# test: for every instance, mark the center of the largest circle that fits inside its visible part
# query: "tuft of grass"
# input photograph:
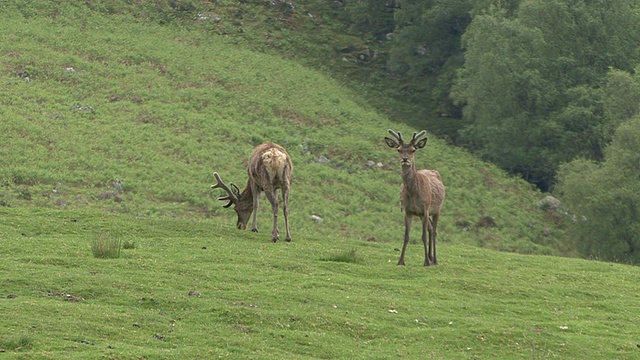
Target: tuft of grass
(343, 256)
(128, 245)
(21, 343)
(106, 245)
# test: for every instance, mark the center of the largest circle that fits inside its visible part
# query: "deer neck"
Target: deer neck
(410, 176)
(247, 193)
(245, 202)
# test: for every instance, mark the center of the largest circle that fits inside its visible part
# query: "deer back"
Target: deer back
(270, 166)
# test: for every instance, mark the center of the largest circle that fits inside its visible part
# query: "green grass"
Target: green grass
(201, 289)
(350, 256)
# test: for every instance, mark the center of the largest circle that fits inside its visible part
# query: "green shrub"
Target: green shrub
(345, 257)
(106, 245)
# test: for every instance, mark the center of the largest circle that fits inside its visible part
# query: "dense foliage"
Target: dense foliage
(603, 198)
(531, 85)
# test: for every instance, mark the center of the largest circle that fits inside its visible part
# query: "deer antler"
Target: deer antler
(396, 135)
(417, 136)
(233, 192)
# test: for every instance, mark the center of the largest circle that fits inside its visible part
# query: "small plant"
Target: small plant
(21, 343)
(4, 200)
(129, 245)
(345, 257)
(106, 245)
(24, 193)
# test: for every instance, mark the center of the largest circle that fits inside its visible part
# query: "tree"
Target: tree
(622, 97)
(605, 199)
(532, 83)
(506, 92)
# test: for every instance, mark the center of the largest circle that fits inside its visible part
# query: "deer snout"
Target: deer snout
(405, 160)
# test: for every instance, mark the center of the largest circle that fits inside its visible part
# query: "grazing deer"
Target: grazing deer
(269, 169)
(422, 194)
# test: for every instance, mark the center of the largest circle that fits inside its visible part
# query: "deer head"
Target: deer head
(243, 205)
(406, 150)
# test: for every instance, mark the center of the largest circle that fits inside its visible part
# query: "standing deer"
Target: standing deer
(422, 194)
(269, 169)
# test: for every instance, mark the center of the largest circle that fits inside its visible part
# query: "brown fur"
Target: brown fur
(422, 194)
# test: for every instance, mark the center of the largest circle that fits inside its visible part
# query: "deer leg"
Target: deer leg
(285, 210)
(426, 229)
(273, 199)
(256, 197)
(430, 228)
(407, 230)
(433, 235)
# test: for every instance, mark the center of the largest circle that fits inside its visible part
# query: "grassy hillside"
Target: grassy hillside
(91, 96)
(89, 99)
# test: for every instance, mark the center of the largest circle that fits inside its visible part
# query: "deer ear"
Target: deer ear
(421, 143)
(391, 143)
(236, 191)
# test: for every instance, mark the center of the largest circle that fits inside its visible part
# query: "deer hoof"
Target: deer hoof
(254, 229)
(274, 240)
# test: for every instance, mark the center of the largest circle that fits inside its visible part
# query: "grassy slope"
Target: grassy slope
(169, 107)
(260, 300)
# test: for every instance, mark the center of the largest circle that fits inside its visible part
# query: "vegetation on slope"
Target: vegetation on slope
(160, 108)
